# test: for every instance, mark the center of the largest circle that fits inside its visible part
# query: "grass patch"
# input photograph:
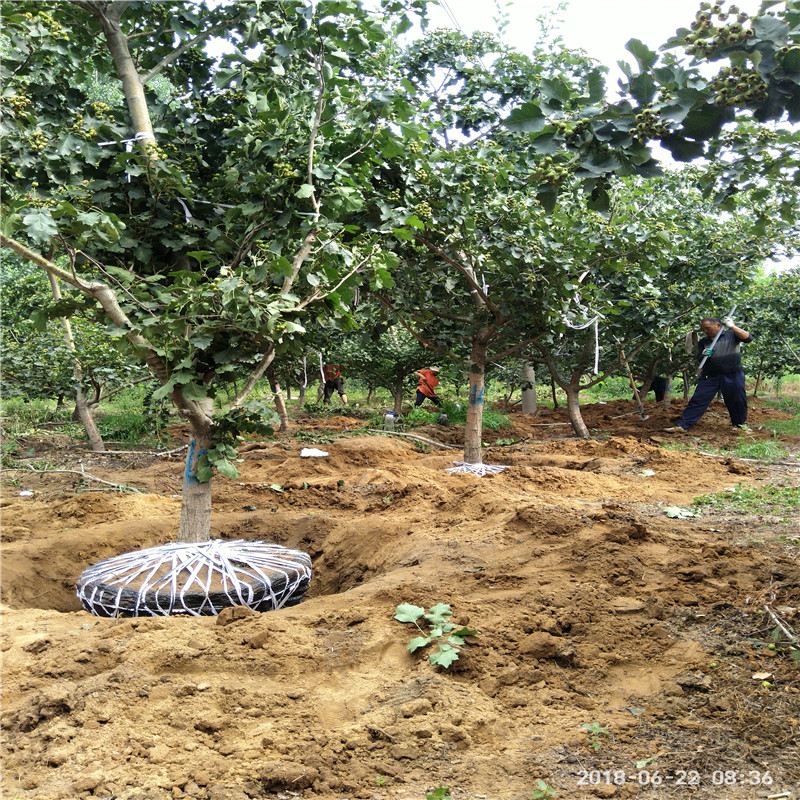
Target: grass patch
(783, 427)
(776, 500)
(457, 415)
(767, 451)
(336, 409)
(21, 416)
(789, 405)
(683, 447)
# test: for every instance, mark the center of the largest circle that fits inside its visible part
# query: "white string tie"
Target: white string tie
(476, 469)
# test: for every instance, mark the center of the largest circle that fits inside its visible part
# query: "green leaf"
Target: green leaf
(555, 89)
(644, 56)
(226, 468)
(466, 632)
(643, 88)
(194, 391)
(444, 657)
(417, 642)
(204, 473)
(596, 86)
(683, 149)
(791, 61)
(39, 225)
(201, 340)
(528, 118)
(705, 121)
(306, 190)
(599, 200)
(439, 614)
(770, 28)
(405, 612)
(276, 487)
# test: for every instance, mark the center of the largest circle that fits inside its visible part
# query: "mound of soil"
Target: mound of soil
(622, 652)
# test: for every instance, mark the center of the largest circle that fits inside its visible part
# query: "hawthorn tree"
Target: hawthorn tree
(382, 355)
(645, 296)
(49, 352)
(480, 273)
(203, 221)
(774, 301)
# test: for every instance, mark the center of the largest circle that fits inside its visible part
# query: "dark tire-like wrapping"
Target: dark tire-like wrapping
(195, 579)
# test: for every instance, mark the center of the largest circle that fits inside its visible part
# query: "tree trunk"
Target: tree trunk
(758, 378)
(553, 390)
(529, 389)
(667, 391)
(195, 522)
(473, 430)
(280, 405)
(574, 410)
(371, 394)
(87, 420)
(81, 405)
(397, 396)
(685, 374)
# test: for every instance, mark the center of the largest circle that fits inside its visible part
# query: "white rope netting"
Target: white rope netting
(197, 579)
(476, 469)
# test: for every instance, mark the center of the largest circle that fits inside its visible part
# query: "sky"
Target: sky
(600, 27)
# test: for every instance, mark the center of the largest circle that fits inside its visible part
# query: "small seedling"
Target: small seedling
(381, 780)
(595, 731)
(447, 636)
(441, 792)
(543, 791)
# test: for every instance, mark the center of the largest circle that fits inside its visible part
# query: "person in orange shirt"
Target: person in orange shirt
(334, 382)
(428, 381)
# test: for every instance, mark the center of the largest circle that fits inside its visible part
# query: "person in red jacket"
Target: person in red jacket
(428, 381)
(334, 382)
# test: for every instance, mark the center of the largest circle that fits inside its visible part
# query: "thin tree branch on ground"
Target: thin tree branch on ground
(415, 436)
(85, 475)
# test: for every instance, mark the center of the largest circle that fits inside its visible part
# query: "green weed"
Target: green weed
(543, 791)
(441, 792)
(445, 635)
(767, 451)
(595, 733)
(418, 417)
(128, 427)
(754, 499)
(783, 427)
(791, 405)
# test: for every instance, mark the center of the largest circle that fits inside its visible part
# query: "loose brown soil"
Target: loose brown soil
(594, 606)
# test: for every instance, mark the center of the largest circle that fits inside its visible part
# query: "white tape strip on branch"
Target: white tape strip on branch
(195, 579)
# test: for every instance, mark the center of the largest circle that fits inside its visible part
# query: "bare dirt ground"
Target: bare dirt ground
(594, 606)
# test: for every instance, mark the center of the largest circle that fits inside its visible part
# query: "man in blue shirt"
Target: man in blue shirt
(722, 372)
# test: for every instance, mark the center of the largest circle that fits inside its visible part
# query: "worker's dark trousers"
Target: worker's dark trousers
(733, 393)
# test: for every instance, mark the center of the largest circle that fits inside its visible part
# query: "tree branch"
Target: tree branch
(178, 51)
(424, 342)
(465, 271)
(254, 377)
(101, 292)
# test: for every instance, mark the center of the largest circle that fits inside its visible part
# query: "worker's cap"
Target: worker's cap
(434, 369)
